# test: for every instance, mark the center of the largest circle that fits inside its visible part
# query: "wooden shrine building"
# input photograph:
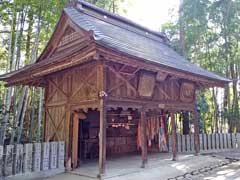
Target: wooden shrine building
(104, 78)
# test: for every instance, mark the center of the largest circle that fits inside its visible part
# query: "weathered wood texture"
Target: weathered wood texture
(174, 137)
(133, 83)
(76, 86)
(143, 138)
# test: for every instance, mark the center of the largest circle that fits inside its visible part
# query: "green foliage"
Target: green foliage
(110, 5)
(211, 32)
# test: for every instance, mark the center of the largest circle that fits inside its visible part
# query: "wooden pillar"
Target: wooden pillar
(196, 132)
(101, 86)
(102, 138)
(174, 136)
(143, 138)
(75, 140)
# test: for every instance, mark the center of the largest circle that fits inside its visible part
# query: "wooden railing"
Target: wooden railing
(31, 158)
(207, 142)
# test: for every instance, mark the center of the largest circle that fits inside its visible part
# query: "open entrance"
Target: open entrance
(84, 140)
(123, 136)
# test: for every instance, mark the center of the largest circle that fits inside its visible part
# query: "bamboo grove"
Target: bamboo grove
(208, 33)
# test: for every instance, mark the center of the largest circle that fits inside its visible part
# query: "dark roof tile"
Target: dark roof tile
(129, 41)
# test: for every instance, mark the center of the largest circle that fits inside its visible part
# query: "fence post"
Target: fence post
(37, 157)
(238, 140)
(18, 160)
(217, 141)
(209, 140)
(61, 154)
(192, 142)
(188, 147)
(53, 155)
(221, 141)
(9, 160)
(234, 140)
(213, 141)
(201, 142)
(229, 137)
(205, 141)
(27, 163)
(1, 161)
(225, 140)
(179, 143)
(45, 156)
(184, 143)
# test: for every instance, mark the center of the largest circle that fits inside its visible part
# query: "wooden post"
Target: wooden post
(196, 132)
(174, 136)
(102, 138)
(143, 138)
(75, 140)
(101, 86)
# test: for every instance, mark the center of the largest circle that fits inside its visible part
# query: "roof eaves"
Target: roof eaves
(217, 77)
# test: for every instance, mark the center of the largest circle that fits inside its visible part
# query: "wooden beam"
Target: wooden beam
(143, 122)
(117, 74)
(155, 67)
(173, 136)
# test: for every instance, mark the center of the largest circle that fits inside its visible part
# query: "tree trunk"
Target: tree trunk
(41, 95)
(24, 107)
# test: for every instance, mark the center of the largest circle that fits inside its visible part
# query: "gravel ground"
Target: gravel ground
(203, 167)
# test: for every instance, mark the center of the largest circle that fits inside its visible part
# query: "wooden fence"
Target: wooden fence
(207, 142)
(31, 158)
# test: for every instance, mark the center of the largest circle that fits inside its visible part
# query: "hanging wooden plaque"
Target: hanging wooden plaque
(187, 92)
(146, 84)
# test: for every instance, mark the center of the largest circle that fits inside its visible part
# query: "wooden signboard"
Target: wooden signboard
(53, 155)
(27, 163)
(187, 92)
(61, 154)
(9, 160)
(146, 84)
(18, 161)
(45, 156)
(37, 157)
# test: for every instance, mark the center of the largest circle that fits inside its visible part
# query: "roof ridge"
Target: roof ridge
(122, 19)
